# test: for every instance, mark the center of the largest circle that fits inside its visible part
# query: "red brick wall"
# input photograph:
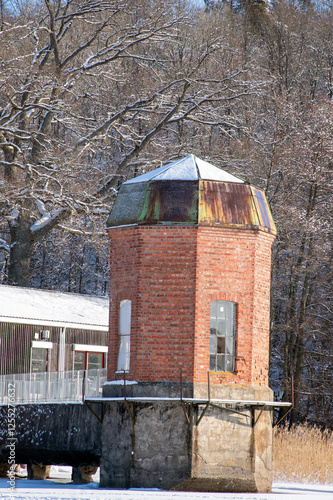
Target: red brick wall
(261, 319)
(124, 269)
(171, 274)
(158, 274)
(235, 265)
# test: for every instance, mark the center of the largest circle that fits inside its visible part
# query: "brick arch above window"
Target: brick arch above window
(227, 296)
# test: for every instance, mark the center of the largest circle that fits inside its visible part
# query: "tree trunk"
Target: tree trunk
(20, 252)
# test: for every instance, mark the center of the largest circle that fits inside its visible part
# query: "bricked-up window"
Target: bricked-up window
(124, 335)
(222, 336)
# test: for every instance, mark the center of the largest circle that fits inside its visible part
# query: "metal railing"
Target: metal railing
(51, 386)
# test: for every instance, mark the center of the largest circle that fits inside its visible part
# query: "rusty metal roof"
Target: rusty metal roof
(191, 191)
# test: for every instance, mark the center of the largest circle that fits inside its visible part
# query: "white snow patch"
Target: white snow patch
(52, 490)
(120, 382)
(26, 305)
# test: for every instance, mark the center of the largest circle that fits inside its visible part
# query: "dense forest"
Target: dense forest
(95, 92)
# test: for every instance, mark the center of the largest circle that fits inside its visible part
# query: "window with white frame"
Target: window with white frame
(40, 357)
(89, 357)
(222, 336)
(124, 337)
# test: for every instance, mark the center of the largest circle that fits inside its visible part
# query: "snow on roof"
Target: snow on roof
(48, 308)
(188, 168)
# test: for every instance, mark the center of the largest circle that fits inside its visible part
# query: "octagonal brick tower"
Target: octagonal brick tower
(189, 296)
(191, 268)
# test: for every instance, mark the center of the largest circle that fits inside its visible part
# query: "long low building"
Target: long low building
(43, 331)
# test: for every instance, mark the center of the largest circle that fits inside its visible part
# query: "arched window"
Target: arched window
(222, 336)
(124, 335)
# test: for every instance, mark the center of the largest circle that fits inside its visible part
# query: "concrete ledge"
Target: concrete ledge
(219, 485)
(144, 389)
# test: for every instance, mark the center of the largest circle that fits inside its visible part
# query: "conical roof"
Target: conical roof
(190, 168)
(190, 191)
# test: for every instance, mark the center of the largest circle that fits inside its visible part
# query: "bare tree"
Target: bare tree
(93, 93)
(85, 89)
(302, 272)
(283, 143)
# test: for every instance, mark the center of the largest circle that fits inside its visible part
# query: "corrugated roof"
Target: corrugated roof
(42, 307)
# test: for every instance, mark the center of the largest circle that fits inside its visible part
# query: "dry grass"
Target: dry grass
(303, 455)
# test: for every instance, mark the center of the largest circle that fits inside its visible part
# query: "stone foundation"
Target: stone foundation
(4, 468)
(83, 475)
(38, 471)
(152, 445)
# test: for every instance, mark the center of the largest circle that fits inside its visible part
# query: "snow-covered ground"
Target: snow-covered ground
(59, 487)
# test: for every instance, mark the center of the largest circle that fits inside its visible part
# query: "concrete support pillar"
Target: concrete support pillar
(162, 444)
(4, 468)
(83, 474)
(38, 471)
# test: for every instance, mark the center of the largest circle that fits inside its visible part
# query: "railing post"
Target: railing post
(83, 384)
